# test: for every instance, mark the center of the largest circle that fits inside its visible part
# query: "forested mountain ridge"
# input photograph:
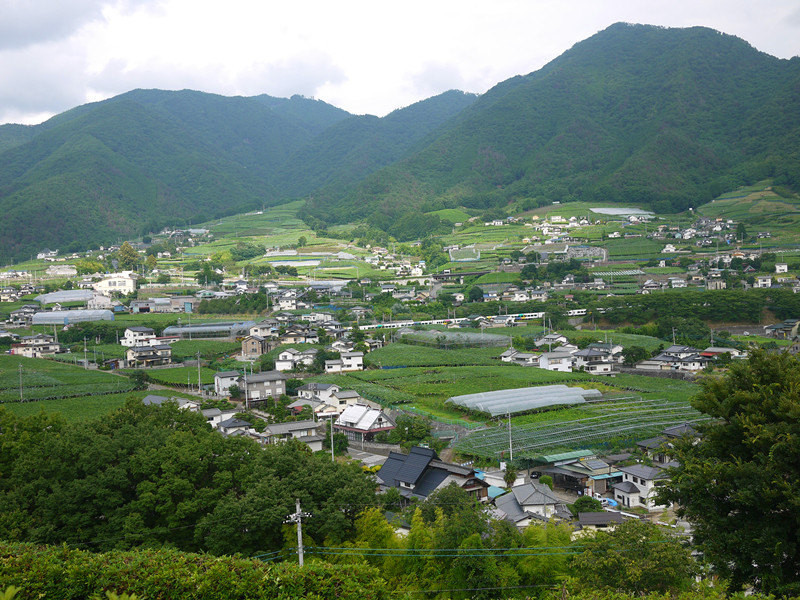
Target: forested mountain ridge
(148, 158)
(662, 117)
(666, 118)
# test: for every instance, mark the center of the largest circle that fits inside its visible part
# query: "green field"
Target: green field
(408, 355)
(44, 382)
(180, 376)
(760, 209)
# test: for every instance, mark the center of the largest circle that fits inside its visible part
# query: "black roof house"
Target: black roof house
(420, 472)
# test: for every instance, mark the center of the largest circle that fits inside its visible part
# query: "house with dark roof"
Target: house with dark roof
(527, 502)
(420, 472)
(591, 522)
(638, 486)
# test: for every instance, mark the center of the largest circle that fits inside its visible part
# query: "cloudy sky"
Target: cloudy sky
(366, 56)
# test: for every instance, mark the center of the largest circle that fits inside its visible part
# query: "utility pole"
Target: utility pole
(20, 384)
(298, 518)
(333, 457)
(199, 384)
(510, 446)
(85, 361)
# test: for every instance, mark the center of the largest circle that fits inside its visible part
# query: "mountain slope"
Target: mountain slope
(355, 147)
(665, 117)
(144, 159)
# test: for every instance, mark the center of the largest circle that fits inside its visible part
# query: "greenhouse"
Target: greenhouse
(67, 317)
(524, 399)
(226, 329)
(65, 296)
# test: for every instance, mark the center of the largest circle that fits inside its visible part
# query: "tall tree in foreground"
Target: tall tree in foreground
(739, 485)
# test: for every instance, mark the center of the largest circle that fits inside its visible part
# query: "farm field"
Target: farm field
(45, 380)
(83, 408)
(179, 376)
(409, 355)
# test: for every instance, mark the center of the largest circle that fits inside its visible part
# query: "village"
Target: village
(283, 375)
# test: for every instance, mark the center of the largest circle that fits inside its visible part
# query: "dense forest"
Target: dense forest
(667, 118)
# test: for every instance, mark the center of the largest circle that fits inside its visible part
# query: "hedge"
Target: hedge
(66, 573)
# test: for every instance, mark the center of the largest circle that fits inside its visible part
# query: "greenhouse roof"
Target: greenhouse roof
(65, 317)
(65, 296)
(520, 400)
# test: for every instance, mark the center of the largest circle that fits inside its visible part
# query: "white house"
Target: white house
(361, 423)
(638, 486)
(138, 336)
(556, 361)
(121, 283)
(223, 380)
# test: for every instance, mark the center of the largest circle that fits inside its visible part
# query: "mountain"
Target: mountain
(662, 117)
(355, 147)
(148, 158)
(144, 159)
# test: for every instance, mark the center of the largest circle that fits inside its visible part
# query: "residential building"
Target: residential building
(36, 346)
(638, 486)
(420, 472)
(304, 431)
(223, 380)
(261, 386)
(361, 423)
(149, 356)
(138, 336)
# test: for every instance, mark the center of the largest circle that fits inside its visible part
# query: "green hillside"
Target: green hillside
(650, 116)
(666, 118)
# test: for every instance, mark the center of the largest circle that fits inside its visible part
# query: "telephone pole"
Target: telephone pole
(298, 518)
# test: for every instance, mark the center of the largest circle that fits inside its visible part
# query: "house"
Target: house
(556, 361)
(591, 522)
(420, 472)
(183, 403)
(23, 315)
(527, 502)
(149, 356)
(138, 336)
(361, 423)
(525, 359)
(763, 281)
(266, 329)
(352, 361)
(254, 346)
(304, 431)
(781, 268)
(551, 339)
(36, 346)
(290, 359)
(317, 391)
(234, 426)
(223, 380)
(261, 386)
(298, 405)
(121, 283)
(638, 486)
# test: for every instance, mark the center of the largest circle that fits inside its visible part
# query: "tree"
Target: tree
(475, 294)
(510, 476)
(128, 257)
(634, 354)
(739, 484)
(636, 558)
(546, 480)
(587, 504)
(151, 262)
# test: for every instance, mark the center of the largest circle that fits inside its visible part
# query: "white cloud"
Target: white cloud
(360, 55)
